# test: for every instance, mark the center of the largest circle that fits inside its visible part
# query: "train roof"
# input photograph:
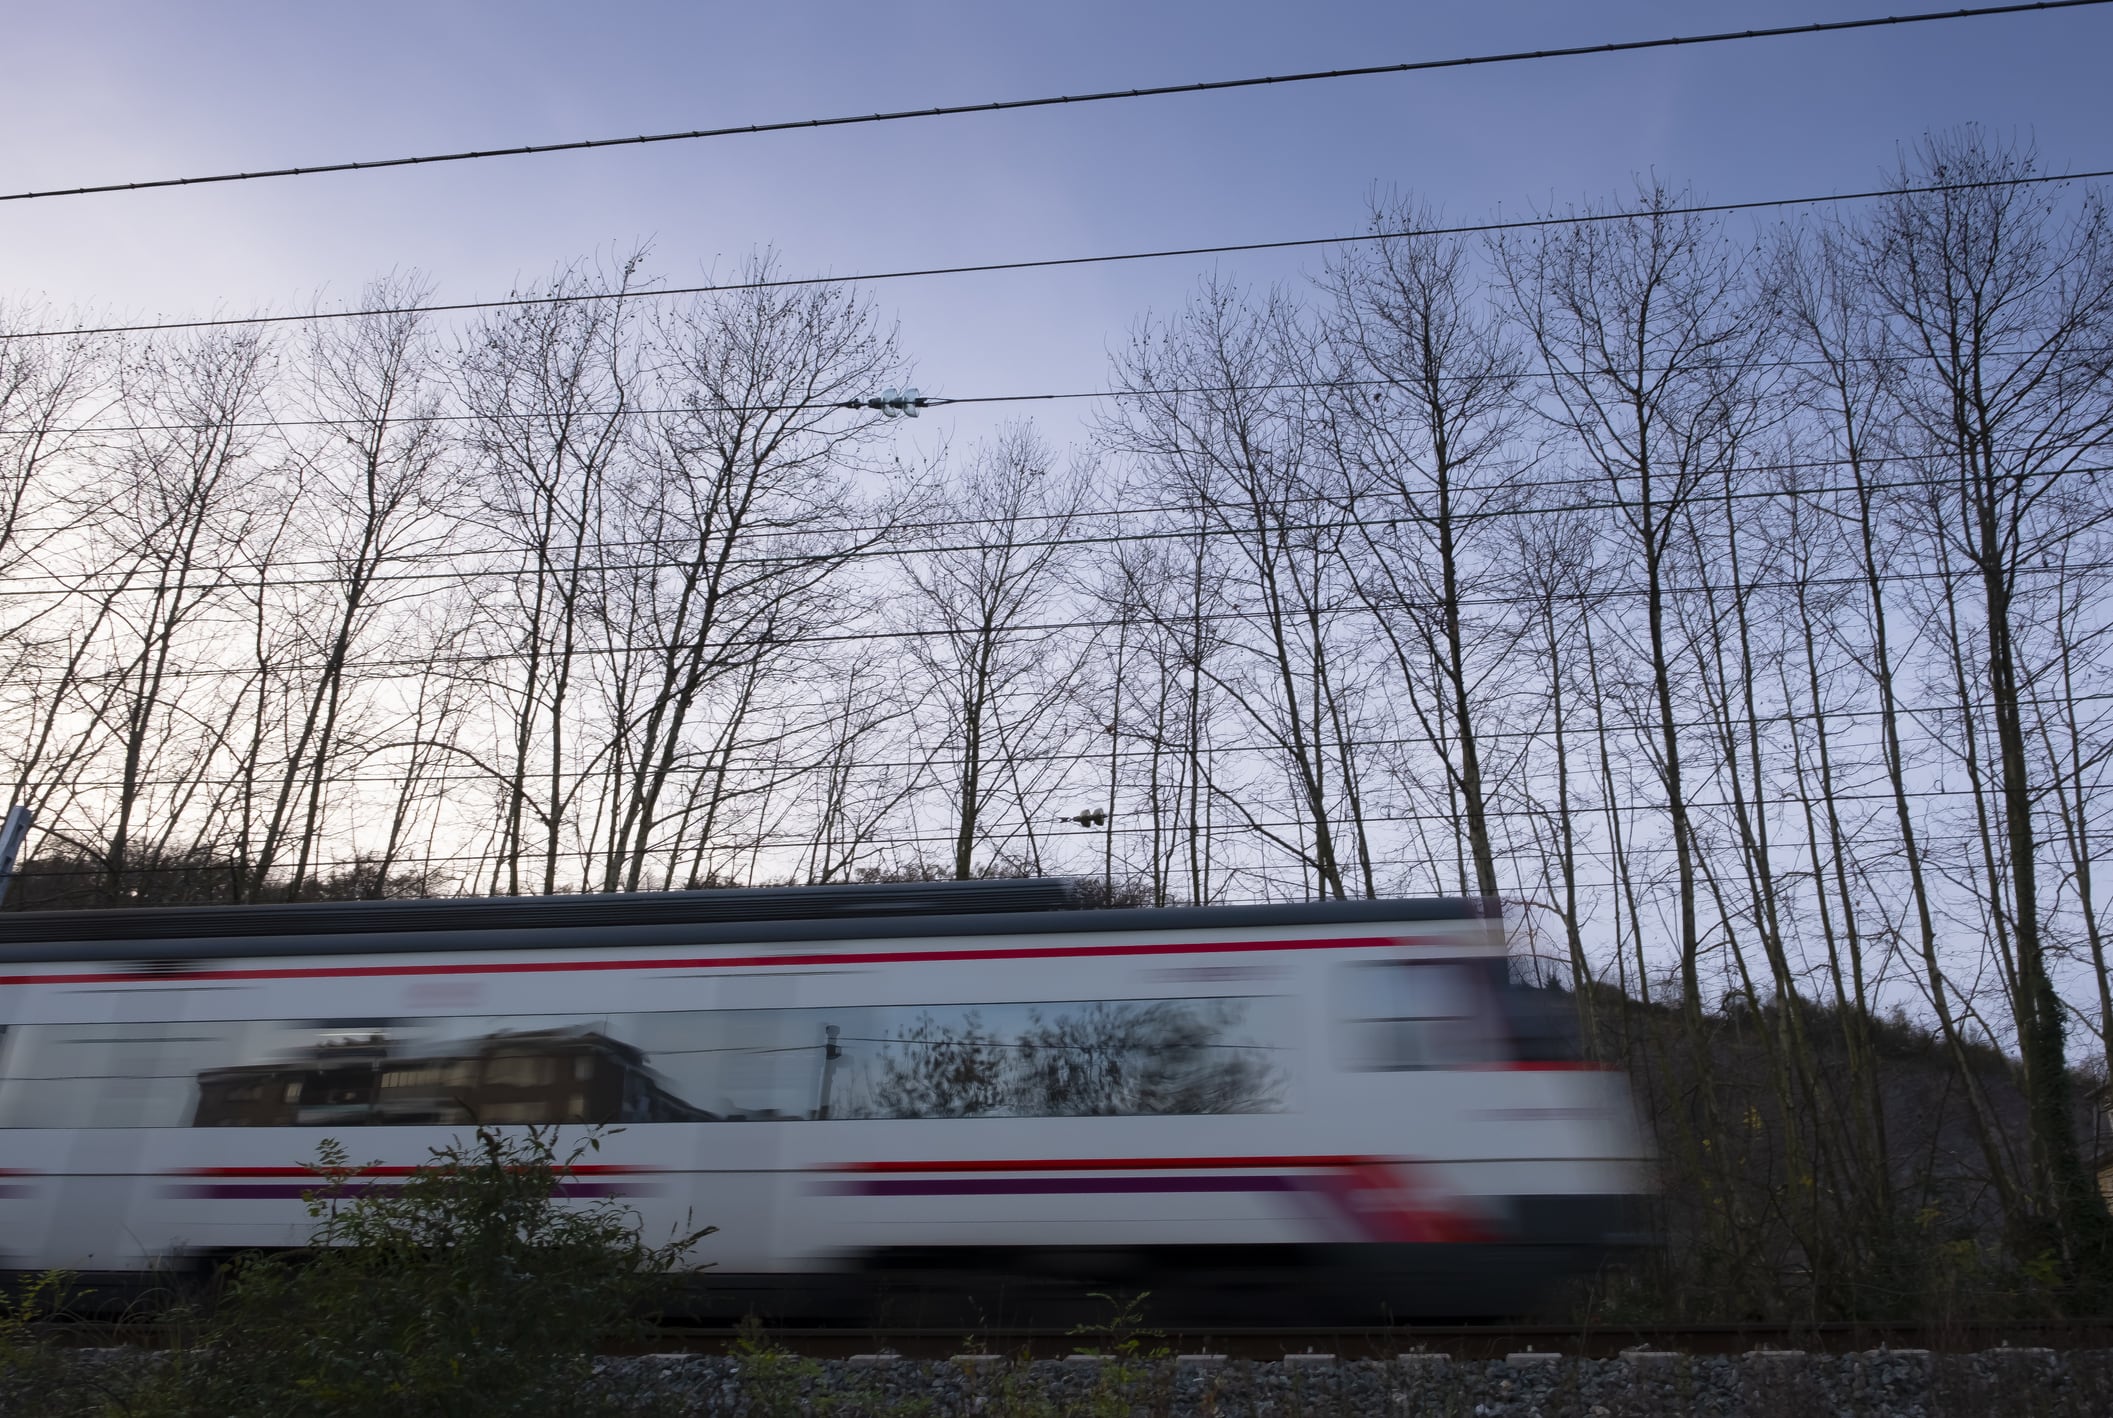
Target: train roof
(757, 915)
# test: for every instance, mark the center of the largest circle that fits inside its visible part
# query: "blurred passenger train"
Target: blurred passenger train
(901, 1095)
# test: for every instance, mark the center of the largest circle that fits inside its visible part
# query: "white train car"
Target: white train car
(969, 1091)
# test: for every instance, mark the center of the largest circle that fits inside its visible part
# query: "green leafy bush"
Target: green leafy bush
(474, 1289)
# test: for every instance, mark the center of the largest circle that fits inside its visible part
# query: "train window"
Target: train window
(1418, 1014)
(1063, 1059)
(301, 1073)
(1087, 1058)
(108, 1075)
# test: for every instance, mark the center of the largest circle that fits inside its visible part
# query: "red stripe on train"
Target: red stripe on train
(731, 962)
(589, 1169)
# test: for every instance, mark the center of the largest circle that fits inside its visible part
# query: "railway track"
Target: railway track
(1463, 1342)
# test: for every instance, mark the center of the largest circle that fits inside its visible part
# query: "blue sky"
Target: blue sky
(115, 91)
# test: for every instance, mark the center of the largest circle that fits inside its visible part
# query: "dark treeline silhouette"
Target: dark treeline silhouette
(1775, 1222)
(69, 880)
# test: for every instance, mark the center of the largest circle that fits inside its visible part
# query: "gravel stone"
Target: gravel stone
(1878, 1384)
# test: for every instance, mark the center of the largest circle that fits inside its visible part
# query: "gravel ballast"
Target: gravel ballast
(1899, 1383)
(1879, 1383)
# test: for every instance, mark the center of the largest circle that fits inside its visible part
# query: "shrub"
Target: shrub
(472, 1290)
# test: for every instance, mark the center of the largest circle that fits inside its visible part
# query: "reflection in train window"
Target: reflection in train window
(554, 1075)
(1094, 1058)
(1076, 1058)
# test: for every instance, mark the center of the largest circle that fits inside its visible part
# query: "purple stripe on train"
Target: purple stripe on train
(1064, 1186)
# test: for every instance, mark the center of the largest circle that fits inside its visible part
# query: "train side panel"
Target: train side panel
(864, 1107)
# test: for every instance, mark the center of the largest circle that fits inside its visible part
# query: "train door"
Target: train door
(738, 1065)
(22, 1193)
(1419, 1046)
(100, 1073)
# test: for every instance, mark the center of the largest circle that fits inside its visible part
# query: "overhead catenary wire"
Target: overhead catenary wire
(1484, 228)
(598, 545)
(1350, 607)
(1067, 100)
(210, 576)
(277, 422)
(1144, 746)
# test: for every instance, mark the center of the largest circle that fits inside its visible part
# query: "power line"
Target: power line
(604, 544)
(1143, 748)
(628, 411)
(1056, 262)
(1103, 96)
(211, 581)
(1347, 607)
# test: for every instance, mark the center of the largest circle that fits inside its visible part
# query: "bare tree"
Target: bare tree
(1425, 425)
(1556, 571)
(1817, 291)
(179, 539)
(1161, 591)
(549, 388)
(742, 509)
(859, 793)
(2005, 312)
(1214, 414)
(990, 667)
(1643, 331)
(55, 598)
(372, 493)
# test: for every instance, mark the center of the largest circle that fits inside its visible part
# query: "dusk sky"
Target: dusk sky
(114, 91)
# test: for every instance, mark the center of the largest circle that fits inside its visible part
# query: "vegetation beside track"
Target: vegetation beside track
(472, 1290)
